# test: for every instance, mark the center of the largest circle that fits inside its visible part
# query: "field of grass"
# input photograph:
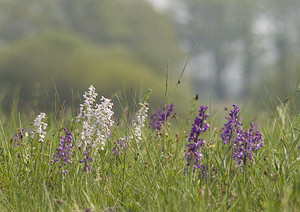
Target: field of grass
(49, 164)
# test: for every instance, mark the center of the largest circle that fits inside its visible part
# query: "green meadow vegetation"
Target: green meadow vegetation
(90, 160)
(65, 147)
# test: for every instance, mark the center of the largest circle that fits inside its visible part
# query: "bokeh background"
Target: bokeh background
(234, 50)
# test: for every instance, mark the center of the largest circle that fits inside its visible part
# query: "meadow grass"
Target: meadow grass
(149, 175)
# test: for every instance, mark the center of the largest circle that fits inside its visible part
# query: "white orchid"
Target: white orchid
(40, 127)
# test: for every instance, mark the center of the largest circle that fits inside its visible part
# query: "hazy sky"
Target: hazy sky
(160, 4)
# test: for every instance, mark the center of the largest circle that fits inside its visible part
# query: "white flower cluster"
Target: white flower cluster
(86, 109)
(40, 126)
(103, 113)
(139, 121)
(96, 121)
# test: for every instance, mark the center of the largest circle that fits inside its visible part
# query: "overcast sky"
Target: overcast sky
(160, 4)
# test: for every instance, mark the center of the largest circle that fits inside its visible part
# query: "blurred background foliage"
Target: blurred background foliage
(246, 49)
(118, 46)
(243, 50)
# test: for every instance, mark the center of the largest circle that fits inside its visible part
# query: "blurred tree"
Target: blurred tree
(76, 43)
(284, 17)
(36, 64)
(255, 38)
(214, 26)
(131, 23)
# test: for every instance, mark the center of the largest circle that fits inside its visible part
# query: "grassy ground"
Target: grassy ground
(150, 175)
